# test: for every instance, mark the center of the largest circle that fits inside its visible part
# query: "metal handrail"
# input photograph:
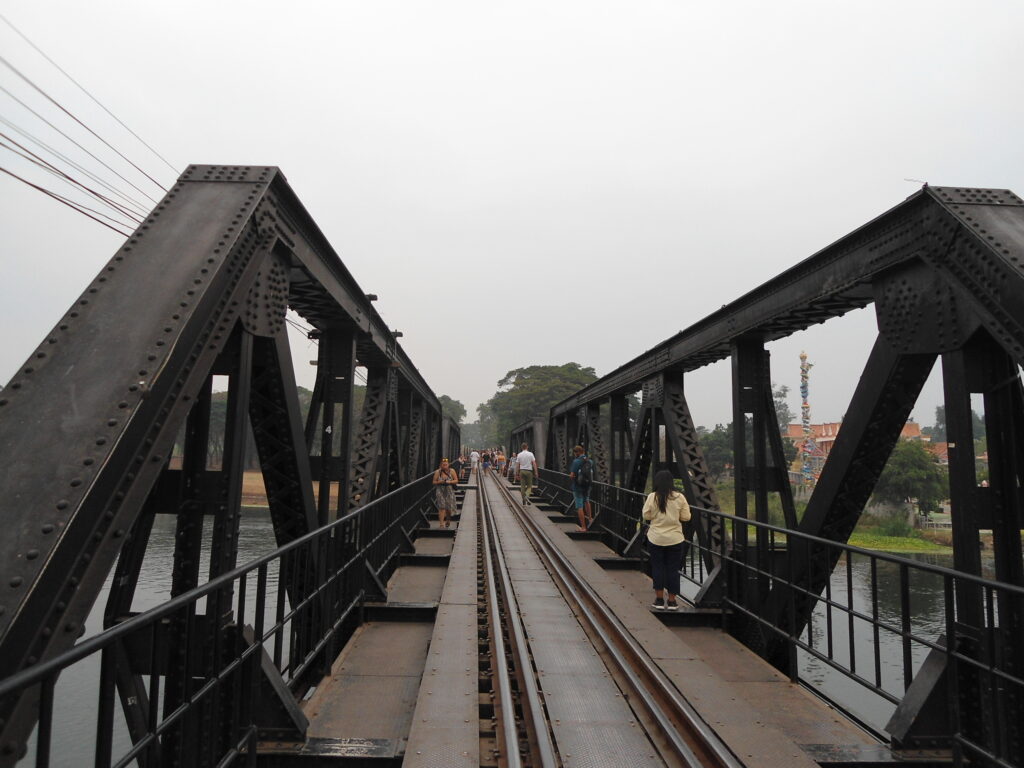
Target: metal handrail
(324, 577)
(940, 570)
(969, 646)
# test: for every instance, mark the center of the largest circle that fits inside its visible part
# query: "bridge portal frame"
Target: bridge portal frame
(199, 290)
(945, 272)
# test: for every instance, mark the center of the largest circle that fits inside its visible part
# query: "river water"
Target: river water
(928, 623)
(75, 704)
(75, 695)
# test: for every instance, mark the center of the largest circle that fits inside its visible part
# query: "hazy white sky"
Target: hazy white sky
(532, 182)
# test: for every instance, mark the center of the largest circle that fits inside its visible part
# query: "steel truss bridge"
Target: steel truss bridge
(124, 382)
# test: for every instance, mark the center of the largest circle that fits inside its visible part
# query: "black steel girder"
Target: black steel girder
(113, 383)
(973, 238)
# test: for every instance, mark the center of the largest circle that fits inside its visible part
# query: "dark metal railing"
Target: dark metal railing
(877, 620)
(616, 510)
(192, 677)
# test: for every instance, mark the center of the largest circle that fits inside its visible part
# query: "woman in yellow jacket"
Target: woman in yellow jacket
(667, 510)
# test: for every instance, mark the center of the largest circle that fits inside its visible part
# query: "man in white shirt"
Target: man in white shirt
(474, 458)
(526, 469)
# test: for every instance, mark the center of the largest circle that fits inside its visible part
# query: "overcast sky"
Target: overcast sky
(530, 182)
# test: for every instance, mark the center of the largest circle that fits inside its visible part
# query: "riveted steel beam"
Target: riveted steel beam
(229, 247)
(973, 238)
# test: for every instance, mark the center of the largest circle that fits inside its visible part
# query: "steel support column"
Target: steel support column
(594, 442)
(376, 458)
(621, 439)
(330, 420)
(689, 465)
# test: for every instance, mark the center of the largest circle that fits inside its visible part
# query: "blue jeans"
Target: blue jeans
(665, 565)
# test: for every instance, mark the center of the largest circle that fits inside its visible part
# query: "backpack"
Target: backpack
(585, 475)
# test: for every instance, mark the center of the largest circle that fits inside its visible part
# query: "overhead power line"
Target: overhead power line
(70, 114)
(61, 199)
(91, 154)
(141, 209)
(27, 154)
(86, 92)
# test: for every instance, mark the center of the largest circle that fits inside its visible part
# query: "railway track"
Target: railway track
(522, 729)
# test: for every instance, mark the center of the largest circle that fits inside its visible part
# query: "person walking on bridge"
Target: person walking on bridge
(667, 510)
(445, 481)
(526, 466)
(582, 473)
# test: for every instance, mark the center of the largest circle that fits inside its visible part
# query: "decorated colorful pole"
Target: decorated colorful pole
(807, 447)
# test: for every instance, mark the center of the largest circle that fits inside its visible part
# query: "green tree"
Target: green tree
(785, 417)
(471, 435)
(526, 392)
(453, 408)
(938, 432)
(912, 474)
(782, 410)
(717, 447)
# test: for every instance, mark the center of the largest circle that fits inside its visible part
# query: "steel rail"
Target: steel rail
(499, 667)
(690, 739)
(530, 696)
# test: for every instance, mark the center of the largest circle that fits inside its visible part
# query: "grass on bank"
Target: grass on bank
(882, 533)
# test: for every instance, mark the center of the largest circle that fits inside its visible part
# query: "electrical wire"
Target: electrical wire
(300, 327)
(93, 156)
(61, 199)
(83, 90)
(142, 210)
(76, 203)
(31, 157)
(67, 112)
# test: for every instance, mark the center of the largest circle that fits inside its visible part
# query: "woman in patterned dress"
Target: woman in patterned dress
(445, 481)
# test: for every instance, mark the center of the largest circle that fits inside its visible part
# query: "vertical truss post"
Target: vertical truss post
(979, 366)
(333, 391)
(216, 724)
(968, 504)
(405, 407)
(558, 451)
(595, 442)
(539, 439)
(343, 352)
(759, 458)
(433, 439)
(414, 442)
(188, 543)
(621, 439)
(690, 466)
(569, 439)
(224, 547)
(375, 467)
(1004, 429)
(747, 361)
(646, 437)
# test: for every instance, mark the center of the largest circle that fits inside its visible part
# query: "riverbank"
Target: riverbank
(897, 544)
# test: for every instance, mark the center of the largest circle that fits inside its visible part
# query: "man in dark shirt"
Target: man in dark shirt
(580, 493)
